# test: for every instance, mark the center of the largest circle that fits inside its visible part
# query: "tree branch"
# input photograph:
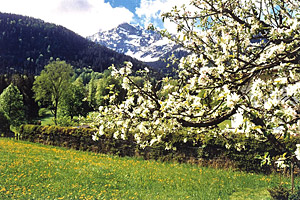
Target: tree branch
(212, 122)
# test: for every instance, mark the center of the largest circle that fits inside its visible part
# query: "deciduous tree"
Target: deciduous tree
(74, 103)
(12, 106)
(52, 84)
(106, 86)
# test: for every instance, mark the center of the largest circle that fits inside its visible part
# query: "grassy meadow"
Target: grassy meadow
(35, 171)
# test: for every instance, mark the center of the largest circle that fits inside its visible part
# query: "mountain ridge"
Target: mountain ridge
(135, 41)
(27, 44)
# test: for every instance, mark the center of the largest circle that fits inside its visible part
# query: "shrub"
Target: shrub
(4, 124)
(76, 138)
(279, 193)
(296, 194)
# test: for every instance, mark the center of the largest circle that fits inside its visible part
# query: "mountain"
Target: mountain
(27, 44)
(135, 41)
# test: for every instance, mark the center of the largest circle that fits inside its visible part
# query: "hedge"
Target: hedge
(204, 150)
(75, 138)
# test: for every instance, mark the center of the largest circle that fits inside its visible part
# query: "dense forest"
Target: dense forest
(27, 44)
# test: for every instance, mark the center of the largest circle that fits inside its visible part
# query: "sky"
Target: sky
(87, 17)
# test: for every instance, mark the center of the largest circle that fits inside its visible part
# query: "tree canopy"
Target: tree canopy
(52, 84)
(74, 103)
(24, 83)
(12, 106)
(244, 57)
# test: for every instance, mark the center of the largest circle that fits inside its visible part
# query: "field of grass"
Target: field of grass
(35, 171)
(47, 118)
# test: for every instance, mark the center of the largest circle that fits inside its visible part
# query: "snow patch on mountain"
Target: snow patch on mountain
(135, 41)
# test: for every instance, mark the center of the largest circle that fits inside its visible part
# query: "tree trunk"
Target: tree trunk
(55, 111)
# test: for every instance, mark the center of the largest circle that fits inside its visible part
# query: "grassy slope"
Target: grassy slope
(34, 171)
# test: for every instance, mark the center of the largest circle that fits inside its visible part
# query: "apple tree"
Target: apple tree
(243, 58)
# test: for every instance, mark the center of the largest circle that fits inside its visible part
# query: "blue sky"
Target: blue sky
(129, 4)
(87, 17)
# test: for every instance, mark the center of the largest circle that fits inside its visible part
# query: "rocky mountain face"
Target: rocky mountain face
(137, 42)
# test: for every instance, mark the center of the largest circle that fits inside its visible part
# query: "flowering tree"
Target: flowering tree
(244, 57)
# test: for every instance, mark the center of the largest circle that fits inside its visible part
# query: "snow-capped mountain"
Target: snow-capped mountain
(135, 41)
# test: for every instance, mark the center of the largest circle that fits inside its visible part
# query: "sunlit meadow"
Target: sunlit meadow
(34, 171)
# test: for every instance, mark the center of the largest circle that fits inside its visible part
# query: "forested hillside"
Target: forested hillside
(27, 44)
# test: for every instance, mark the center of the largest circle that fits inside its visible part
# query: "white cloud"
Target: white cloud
(75, 5)
(84, 17)
(150, 11)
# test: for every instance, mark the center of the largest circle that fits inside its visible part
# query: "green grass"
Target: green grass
(34, 171)
(46, 117)
(224, 124)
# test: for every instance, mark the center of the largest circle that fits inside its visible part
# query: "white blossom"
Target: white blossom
(281, 163)
(95, 137)
(281, 80)
(293, 89)
(290, 112)
(125, 83)
(101, 130)
(270, 103)
(297, 152)
(142, 128)
(232, 99)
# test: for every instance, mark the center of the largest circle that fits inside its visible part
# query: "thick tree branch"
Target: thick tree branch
(210, 123)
